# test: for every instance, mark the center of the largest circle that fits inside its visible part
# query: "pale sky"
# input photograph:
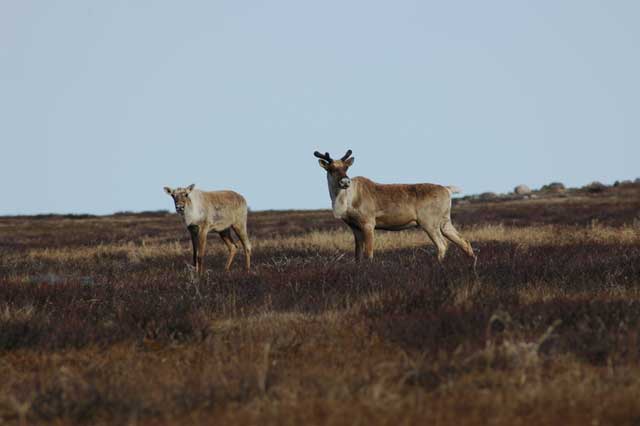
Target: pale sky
(102, 103)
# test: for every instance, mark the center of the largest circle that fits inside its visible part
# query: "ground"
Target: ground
(102, 320)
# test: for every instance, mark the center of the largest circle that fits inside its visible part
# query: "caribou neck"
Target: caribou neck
(341, 199)
(194, 211)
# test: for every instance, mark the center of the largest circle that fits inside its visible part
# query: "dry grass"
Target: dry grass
(101, 321)
(342, 240)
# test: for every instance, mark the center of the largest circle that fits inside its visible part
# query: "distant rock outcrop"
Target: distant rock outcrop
(555, 187)
(522, 190)
(486, 196)
(595, 186)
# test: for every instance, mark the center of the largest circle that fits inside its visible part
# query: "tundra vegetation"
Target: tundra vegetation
(104, 321)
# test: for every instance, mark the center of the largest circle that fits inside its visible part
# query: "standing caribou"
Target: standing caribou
(365, 206)
(219, 211)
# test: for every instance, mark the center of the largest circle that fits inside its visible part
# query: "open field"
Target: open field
(102, 321)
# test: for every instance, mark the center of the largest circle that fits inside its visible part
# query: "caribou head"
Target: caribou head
(336, 169)
(180, 197)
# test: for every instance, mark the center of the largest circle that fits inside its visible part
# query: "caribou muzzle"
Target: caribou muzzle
(344, 183)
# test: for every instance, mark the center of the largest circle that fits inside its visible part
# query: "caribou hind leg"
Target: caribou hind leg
(438, 240)
(452, 234)
(231, 246)
(241, 232)
(441, 243)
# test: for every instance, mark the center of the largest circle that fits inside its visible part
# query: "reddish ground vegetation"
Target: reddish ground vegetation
(102, 321)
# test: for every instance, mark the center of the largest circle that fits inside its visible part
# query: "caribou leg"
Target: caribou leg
(368, 231)
(231, 246)
(359, 242)
(193, 231)
(202, 242)
(438, 240)
(241, 232)
(452, 234)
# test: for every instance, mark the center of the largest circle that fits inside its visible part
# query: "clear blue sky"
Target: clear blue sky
(102, 103)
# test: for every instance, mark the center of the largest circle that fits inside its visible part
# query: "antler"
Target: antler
(347, 155)
(325, 156)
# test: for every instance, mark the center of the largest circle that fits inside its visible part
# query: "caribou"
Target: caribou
(365, 206)
(219, 211)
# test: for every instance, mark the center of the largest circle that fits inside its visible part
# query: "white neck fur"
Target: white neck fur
(341, 199)
(194, 211)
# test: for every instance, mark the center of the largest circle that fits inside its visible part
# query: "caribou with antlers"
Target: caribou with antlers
(219, 211)
(365, 206)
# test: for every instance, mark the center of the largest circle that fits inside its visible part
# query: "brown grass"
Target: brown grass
(102, 321)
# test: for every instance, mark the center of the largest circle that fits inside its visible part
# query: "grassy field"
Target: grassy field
(103, 322)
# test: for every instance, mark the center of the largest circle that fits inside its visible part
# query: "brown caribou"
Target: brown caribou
(219, 211)
(365, 206)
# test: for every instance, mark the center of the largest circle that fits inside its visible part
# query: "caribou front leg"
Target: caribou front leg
(359, 242)
(193, 231)
(202, 242)
(368, 231)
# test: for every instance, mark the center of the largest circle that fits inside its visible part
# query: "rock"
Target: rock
(522, 190)
(555, 187)
(637, 180)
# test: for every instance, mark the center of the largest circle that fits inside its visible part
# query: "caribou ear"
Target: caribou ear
(323, 164)
(350, 161)
(168, 190)
(190, 187)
